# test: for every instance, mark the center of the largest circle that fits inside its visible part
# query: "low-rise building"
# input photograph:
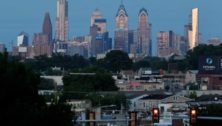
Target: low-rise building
(79, 105)
(2, 48)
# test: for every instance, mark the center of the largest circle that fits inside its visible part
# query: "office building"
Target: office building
(100, 41)
(95, 15)
(22, 39)
(168, 44)
(41, 44)
(2, 48)
(121, 31)
(144, 44)
(62, 23)
(192, 30)
(47, 27)
(214, 41)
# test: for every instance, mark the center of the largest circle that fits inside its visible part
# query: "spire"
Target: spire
(121, 8)
(47, 26)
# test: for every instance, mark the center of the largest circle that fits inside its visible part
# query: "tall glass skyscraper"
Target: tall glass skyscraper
(121, 31)
(62, 24)
(144, 33)
(193, 30)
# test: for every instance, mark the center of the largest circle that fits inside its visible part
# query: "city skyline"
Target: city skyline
(79, 17)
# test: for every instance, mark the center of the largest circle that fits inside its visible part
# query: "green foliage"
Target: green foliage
(44, 63)
(117, 60)
(202, 50)
(21, 104)
(46, 84)
(212, 110)
(141, 64)
(157, 63)
(108, 99)
(101, 81)
(59, 115)
(192, 95)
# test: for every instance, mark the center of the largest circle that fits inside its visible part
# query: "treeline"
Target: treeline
(116, 61)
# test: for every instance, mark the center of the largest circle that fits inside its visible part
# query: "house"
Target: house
(79, 105)
(134, 104)
(150, 101)
(178, 103)
(167, 103)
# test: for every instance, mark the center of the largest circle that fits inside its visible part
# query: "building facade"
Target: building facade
(42, 42)
(22, 39)
(144, 34)
(2, 48)
(47, 26)
(192, 29)
(121, 31)
(62, 23)
(100, 41)
(168, 44)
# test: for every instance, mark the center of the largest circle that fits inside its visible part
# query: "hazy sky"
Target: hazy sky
(164, 15)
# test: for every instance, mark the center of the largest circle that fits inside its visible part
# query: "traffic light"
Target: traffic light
(133, 118)
(155, 115)
(91, 116)
(193, 116)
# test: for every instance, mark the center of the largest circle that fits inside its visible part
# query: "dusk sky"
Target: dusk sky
(164, 15)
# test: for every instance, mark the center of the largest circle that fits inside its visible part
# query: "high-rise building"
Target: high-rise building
(41, 44)
(101, 23)
(47, 26)
(168, 43)
(121, 31)
(214, 41)
(192, 30)
(100, 41)
(2, 48)
(22, 39)
(95, 15)
(144, 34)
(62, 24)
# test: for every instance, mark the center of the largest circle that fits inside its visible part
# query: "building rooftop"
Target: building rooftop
(155, 97)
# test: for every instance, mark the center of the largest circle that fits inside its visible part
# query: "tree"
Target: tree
(202, 50)
(117, 60)
(193, 95)
(44, 63)
(101, 80)
(47, 84)
(141, 64)
(20, 103)
(157, 63)
(117, 99)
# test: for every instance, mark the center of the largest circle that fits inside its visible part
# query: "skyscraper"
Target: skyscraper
(22, 39)
(168, 43)
(121, 31)
(47, 26)
(95, 15)
(100, 41)
(193, 30)
(62, 23)
(144, 33)
(42, 41)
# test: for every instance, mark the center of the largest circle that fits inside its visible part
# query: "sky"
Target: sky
(164, 15)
